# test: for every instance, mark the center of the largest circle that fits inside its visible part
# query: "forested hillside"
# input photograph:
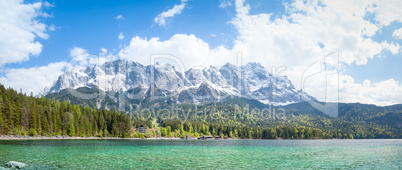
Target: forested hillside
(360, 120)
(28, 115)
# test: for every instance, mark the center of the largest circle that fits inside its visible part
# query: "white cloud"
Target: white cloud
(52, 28)
(383, 93)
(397, 34)
(345, 89)
(78, 53)
(80, 58)
(225, 4)
(387, 11)
(46, 15)
(47, 4)
(32, 79)
(162, 17)
(394, 48)
(120, 17)
(20, 29)
(336, 25)
(191, 50)
(291, 40)
(121, 36)
(104, 50)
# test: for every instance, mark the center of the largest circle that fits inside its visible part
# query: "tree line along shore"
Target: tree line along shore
(23, 115)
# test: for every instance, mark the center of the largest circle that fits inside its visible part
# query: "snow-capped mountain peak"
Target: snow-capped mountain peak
(251, 81)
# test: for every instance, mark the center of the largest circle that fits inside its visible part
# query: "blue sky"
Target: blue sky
(293, 34)
(93, 25)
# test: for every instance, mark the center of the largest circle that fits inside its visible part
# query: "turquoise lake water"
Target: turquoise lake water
(201, 154)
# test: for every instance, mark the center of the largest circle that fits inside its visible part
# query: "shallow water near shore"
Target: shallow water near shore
(222, 154)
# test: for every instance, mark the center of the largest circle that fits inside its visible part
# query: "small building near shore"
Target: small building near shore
(142, 129)
(206, 137)
(188, 137)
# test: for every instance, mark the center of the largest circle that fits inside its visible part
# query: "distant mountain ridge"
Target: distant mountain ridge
(251, 81)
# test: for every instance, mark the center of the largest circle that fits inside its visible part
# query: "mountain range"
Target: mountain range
(132, 87)
(196, 85)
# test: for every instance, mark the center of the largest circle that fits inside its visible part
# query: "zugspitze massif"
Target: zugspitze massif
(251, 81)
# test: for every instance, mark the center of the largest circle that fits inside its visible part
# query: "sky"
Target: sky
(337, 51)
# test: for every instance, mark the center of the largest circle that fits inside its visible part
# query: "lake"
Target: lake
(210, 154)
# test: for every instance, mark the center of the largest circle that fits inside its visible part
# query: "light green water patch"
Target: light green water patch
(222, 154)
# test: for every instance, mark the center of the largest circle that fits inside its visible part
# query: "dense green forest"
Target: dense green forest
(363, 121)
(245, 132)
(28, 115)
(294, 124)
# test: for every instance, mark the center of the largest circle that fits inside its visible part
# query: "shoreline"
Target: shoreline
(16, 137)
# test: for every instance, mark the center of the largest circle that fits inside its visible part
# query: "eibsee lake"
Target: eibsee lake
(210, 154)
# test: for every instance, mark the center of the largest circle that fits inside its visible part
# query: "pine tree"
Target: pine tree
(190, 130)
(32, 123)
(71, 129)
(169, 131)
(163, 132)
(10, 112)
(45, 123)
(181, 130)
(17, 115)
(350, 136)
(39, 124)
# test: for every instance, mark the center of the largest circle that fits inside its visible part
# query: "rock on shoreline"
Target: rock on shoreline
(14, 164)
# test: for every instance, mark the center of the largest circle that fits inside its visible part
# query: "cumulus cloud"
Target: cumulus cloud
(20, 29)
(191, 50)
(32, 79)
(397, 34)
(343, 88)
(308, 31)
(292, 41)
(382, 93)
(119, 17)
(162, 17)
(121, 36)
(81, 58)
(35, 79)
(386, 11)
(294, 38)
(78, 53)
